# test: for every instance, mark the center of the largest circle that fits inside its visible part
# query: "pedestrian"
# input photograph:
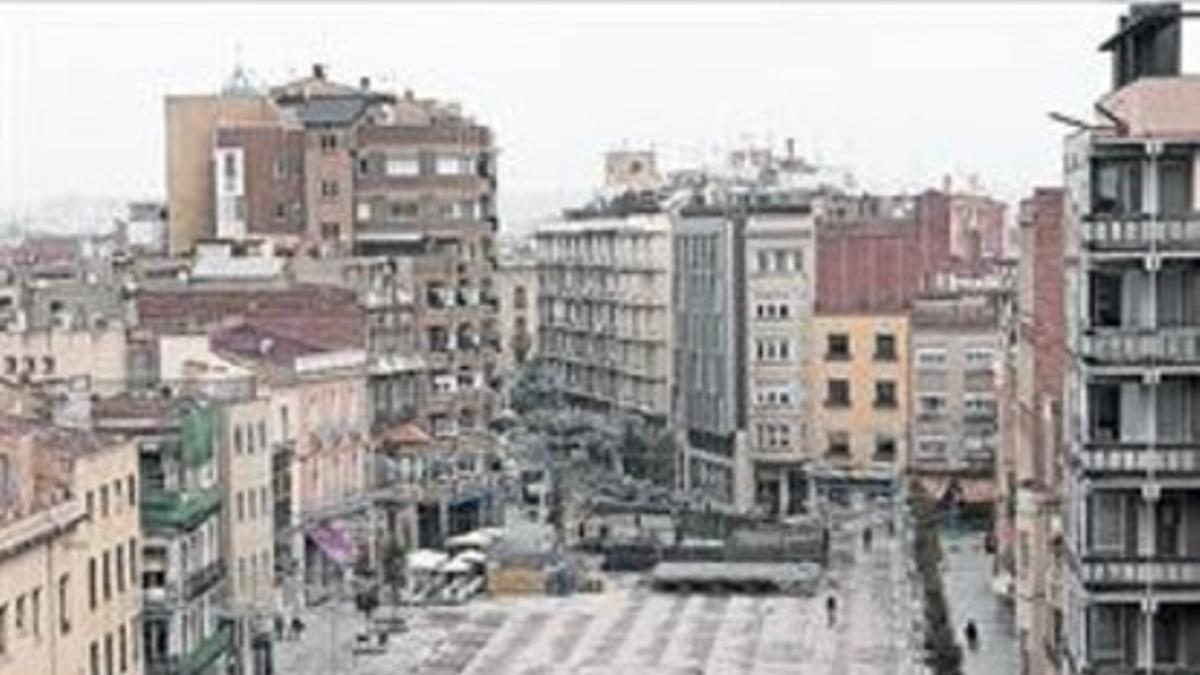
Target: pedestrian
(279, 627)
(972, 635)
(297, 627)
(831, 609)
(866, 536)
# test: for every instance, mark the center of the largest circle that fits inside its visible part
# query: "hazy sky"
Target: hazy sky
(902, 94)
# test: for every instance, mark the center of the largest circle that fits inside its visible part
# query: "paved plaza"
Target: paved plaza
(631, 630)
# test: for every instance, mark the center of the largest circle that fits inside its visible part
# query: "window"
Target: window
(781, 261)
(330, 231)
(35, 610)
(262, 435)
(91, 504)
(280, 211)
(131, 489)
(104, 501)
(48, 365)
(931, 449)
(329, 188)
(403, 210)
(120, 564)
(107, 576)
(839, 444)
(64, 616)
(449, 165)
(92, 583)
(931, 404)
(241, 507)
(94, 654)
(19, 614)
(329, 142)
(122, 649)
(885, 347)
(764, 261)
(1117, 187)
(885, 394)
(108, 654)
(237, 440)
(229, 166)
(364, 166)
(931, 357)
(133, 556)
(3, 629)
(1108, 634)
(1108, 522)
(280, 167)
(977, 359)
(402, 165)
(837, 394)
(885, 448)
(837, 347)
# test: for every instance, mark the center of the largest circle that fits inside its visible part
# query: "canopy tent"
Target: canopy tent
(475, 539)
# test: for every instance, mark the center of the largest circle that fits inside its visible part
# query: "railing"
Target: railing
(1124, 457)
(1139, 571)
(1137, 346)
(196, 661)
(203, 579)
(1132, 233)
(178, 510)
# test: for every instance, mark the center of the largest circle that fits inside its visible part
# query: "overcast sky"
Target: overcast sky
(902, 94)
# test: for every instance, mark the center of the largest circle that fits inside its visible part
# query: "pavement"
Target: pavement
(966, 575)
(629, 629)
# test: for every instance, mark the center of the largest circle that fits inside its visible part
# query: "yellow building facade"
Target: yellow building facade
(859, 380)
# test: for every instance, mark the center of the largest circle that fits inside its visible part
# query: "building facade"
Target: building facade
(1133, 500)
(779, 270)
(1037, 426)
(183, 575)
(956, 346)
(709, 354)
(517, 294)
(604, 310)
(860, 374)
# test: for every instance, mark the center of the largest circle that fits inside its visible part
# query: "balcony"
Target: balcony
(219, 643)
(204, 579)
(1137, 458)
(181, 511)
(1138, 571)
(1121, 346)
(1135, 234)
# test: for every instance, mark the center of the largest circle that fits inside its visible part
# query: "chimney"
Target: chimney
(318, 71)
(364, 83)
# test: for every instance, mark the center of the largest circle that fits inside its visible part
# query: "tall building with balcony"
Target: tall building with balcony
(1134, 343)
(955, 346)
(332, 169)
(604, 307)
(779, 257)
(183, 574)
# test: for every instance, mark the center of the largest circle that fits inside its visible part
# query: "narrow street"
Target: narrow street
(966, 574)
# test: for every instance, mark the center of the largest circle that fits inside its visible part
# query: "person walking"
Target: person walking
(831, 609)
(866, 537)
(972, 635)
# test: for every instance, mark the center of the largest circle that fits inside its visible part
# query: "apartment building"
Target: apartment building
(1032, 535)
(955, 350)
(71, 600)
(604, 307)
(517, 294)
(780, 290)
(860, 375)
(399, 381)
(319, 397)
(1133, 500)
(709, 353)
(338, 169)
(183, 575)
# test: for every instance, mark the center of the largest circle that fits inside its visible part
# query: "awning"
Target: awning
(333, 542)
(426, 560)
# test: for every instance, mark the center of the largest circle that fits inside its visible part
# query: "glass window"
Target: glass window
(837, 347)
